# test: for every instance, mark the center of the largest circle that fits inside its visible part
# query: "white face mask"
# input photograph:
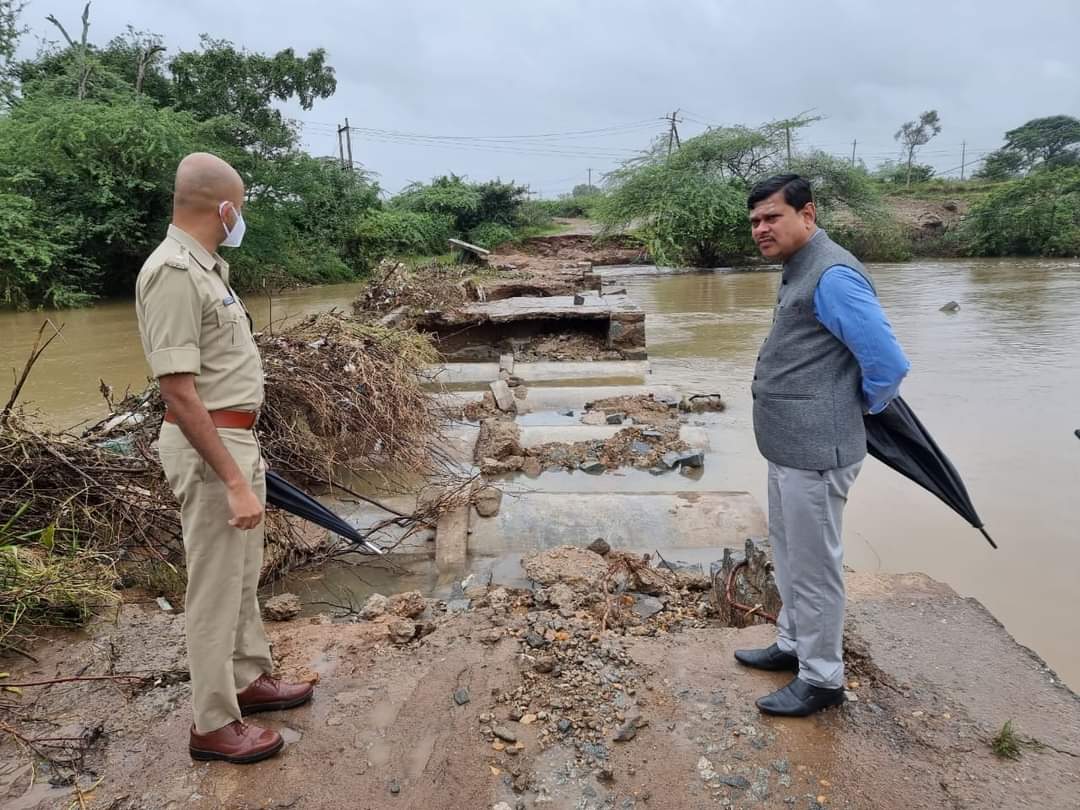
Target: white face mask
(233, 237)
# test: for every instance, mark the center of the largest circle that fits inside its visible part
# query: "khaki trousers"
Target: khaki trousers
(227, 647)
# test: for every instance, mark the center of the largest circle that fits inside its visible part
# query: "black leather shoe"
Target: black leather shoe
(771, 658)
(799, 699)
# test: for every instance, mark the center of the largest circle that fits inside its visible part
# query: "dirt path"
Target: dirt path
(934, 676)
(572, 226)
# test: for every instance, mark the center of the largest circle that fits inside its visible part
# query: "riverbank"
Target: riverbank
(522, 699)
(703, 330)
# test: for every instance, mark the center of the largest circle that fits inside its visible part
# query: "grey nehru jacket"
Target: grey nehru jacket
(807, 389)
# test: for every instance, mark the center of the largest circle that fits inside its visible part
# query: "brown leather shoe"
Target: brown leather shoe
(237, 742)
(266, 694)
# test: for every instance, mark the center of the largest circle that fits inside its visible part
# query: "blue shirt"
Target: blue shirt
(845, 304)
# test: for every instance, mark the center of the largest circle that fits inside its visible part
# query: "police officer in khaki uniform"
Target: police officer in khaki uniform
(197, 338)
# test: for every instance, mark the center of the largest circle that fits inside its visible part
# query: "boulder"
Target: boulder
(282, 607)
(487, 501)
(499, 440)
(374, 607)
(401, 630)
(599, 546)
(504, 397)
(574, 566)
(408, 605)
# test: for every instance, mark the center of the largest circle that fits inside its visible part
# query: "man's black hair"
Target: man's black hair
(797, 192)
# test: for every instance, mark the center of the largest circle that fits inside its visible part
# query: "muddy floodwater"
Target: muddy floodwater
(997, 383)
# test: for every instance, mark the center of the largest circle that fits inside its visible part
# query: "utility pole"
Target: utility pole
(787, 135)
(963, 159)
(341, 145)
(590, 178)
(853, 143)
(348, 142)
(673, 132)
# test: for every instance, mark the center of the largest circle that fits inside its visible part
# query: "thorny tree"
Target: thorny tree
(915, 134)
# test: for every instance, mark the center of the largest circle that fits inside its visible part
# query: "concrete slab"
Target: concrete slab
(451, 400)
(540, 520)
(460, 441)
(457, 373)
(504, 397)
(529, 308)
(451, 539)
(535, 435)
(560, 397)
(553, 371)
(550, 399)
(480, 374)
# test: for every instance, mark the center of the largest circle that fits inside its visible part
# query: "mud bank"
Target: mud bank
(564, 695)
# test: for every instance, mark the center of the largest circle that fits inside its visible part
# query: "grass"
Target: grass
(1007, 743)
(42, 588)
(428, 260)
(941, 189)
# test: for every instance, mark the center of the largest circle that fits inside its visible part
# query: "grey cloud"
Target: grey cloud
(494, 68)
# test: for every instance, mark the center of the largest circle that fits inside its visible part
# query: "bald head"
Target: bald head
(203, 182)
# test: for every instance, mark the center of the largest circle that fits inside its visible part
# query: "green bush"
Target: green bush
(87, 163)
(685, 217)
(873, 239)
(535, 214)
(490, 234)
(894, 173)
(100, 177)
(392, 232)
(31, 265)
(465, 204)
(1036, 216)
(851, 209)
(691, 207)
(301, 217)
(574, 206)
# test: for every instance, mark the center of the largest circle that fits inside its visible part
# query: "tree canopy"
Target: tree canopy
(90, 144)
(914, 134)
(1053, 141)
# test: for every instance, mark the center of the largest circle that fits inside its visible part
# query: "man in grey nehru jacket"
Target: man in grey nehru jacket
(830, 357)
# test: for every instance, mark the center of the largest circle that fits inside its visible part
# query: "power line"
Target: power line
(500, 148)
(564, 135)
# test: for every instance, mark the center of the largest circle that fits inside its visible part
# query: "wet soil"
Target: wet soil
(650, 713)
(573, 346)
(549, 252)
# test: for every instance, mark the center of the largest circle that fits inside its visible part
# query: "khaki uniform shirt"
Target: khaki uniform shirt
(191, 322)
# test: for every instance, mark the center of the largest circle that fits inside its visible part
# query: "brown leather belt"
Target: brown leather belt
(239, 420)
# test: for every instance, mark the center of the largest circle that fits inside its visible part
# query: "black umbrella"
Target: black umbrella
(283, 495)
(897, 438)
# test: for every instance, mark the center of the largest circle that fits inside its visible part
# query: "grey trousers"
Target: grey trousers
(806, 510)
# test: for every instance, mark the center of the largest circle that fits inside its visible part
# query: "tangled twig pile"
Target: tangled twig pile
(344, 401)
(348, 397)
(437, 287)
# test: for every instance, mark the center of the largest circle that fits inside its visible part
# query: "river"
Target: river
(997, 383)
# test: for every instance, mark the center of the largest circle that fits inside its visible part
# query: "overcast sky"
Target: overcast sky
(493, 68)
